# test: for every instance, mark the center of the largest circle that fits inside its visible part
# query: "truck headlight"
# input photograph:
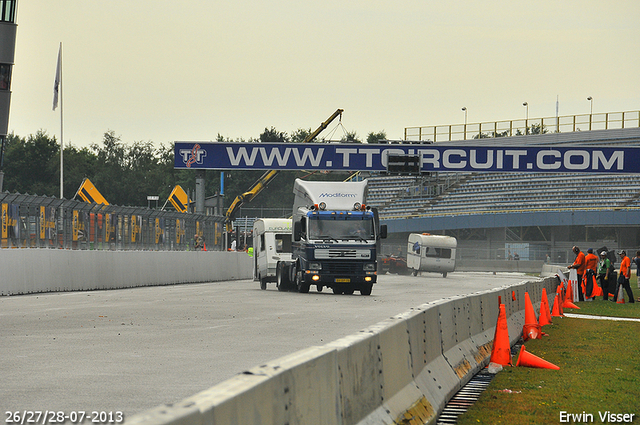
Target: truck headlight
(369, 267)
(315, 266)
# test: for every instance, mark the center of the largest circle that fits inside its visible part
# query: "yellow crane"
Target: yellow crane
(264, 180)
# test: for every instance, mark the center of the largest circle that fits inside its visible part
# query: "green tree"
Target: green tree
(271, 135)
(350, 137)
(378, 137)
(300, 135)
(30, 164)
(78, 164)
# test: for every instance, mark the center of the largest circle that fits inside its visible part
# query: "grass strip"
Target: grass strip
(599, 373)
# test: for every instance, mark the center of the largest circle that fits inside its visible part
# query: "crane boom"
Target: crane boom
(264, 180)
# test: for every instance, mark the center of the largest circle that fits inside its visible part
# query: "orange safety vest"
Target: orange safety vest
(624, 266)
(591, 262)
(580, 262)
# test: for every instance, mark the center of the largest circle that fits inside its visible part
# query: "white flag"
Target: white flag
(56, 84)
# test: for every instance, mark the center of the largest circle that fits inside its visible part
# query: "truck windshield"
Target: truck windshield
(339, 228)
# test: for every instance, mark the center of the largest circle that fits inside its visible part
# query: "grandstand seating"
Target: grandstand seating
(401, 196)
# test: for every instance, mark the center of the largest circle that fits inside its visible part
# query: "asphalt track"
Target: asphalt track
(132, 349)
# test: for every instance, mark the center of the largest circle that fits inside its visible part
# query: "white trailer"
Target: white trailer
(271, 243)
(431, 253)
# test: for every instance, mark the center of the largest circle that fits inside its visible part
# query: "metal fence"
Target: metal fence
(31, 221)
(560, 124)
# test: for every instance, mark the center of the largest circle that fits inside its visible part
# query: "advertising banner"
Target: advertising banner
(365, 157)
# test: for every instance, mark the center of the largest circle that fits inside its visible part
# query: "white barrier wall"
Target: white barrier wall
(24, 271)
(405, 367)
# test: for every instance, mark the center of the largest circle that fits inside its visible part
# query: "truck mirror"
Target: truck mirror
(383, 231)
(297, 230)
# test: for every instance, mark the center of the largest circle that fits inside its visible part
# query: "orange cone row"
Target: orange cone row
(501, 352)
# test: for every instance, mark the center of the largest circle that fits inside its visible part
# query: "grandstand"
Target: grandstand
(485, 193)
(488, 211)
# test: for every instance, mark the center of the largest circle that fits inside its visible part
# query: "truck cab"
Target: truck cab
(271, 243)
(335, 240)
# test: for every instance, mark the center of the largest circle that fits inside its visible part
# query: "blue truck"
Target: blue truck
(335, 239)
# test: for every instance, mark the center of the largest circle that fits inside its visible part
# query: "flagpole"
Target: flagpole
(61, 130)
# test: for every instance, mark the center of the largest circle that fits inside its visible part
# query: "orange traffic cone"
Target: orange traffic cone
(545, 312)
(556, 307)
(531, 328)
(620, 299)
(527, 359)
(569, 295)
(569, 304)
(513, 295)
(204, 247)
(501, 351)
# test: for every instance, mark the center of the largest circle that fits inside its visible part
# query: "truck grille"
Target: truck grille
(360, 254)
(346, 268)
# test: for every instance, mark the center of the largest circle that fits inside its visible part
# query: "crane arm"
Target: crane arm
(324, 125)
(248, 196)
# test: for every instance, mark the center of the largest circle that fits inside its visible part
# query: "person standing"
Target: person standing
(603, 274)
(636, 261)
(623, 278)
(579, 265)
(589, 285)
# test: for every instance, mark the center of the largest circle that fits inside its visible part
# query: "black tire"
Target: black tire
(366, 290)
(414, 272)
(263, 282)
(282, 277)
(444, 274)
(336, 290)
(319, 288)
(349, 291)
(302, 286)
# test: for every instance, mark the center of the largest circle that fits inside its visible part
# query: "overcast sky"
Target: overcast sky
(165, 71)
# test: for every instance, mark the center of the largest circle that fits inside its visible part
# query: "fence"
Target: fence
(31, 221)
(560, 124)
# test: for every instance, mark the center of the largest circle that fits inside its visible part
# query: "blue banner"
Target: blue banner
(352, 157)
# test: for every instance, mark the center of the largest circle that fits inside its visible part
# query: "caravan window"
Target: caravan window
(437, 252)
(283, 242)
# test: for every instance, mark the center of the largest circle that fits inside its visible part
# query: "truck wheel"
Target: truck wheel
(349, 291)
(366, 290)
(444, 274)
(336, 290)
(303, 287)
(263, 282)
(297, 280)
(414, 272)
(282, 277)
(319, 288)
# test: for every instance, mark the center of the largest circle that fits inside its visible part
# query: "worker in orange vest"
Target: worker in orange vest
(623, 278)
(589, 285)
(579, 265)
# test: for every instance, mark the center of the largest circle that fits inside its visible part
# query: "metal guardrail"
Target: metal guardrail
(560, 124)
(31, 221)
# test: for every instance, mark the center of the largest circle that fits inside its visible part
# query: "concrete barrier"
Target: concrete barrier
(26, 271)
(401, 370)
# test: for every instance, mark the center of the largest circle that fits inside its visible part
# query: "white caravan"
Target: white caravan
(271, 243)
(431, 253)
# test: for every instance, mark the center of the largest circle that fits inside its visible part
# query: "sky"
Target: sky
(165, 71)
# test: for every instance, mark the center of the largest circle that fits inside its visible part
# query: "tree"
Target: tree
(30, 164)
(350, 137)
(272, 135)
(300, 135)
(78, 164)
(378, 137)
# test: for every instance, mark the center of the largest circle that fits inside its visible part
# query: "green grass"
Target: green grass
(599, 364)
